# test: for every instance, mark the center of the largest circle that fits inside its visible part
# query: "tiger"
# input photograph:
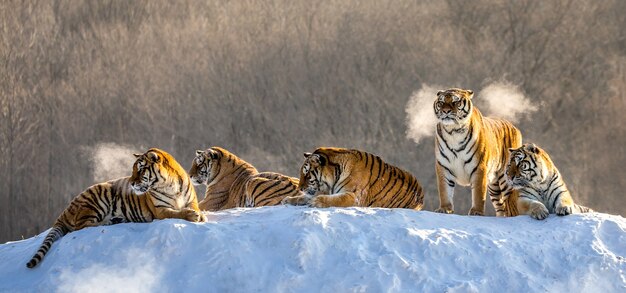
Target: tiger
(471, 150)
(158, 188)
(232, 182)
(540, 188)
(339, 177)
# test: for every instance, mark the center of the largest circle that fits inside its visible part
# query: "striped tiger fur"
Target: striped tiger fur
(159, 188)
(232, 182)
(540, 188)
(345, 177)
(471, 150)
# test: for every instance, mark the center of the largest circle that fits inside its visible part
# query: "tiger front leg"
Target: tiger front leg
(533, 208)
(479, 193)
(346, 199)
(188, 214)
(564, 204)
(446, 190)
(297, 200)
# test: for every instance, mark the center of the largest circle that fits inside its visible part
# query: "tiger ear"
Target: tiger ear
(470, 94)
(512, 150)
(199, 152)
(212, 154)
(532, 148)
(153, 157)
(322, 160)
(137, 155)
(307, 154)
(440, 92)
(317, 160)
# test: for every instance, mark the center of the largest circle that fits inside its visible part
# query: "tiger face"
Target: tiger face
(453, 106)
(146, 172)
(204, 167)
(311, 175)
(526, 167)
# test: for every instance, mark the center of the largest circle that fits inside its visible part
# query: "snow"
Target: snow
(299, 249)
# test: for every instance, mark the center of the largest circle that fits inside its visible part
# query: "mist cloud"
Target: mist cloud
(421, 120)
(110, 161)
(505, 100)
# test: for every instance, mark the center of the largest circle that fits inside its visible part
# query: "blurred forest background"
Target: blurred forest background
(271, 79)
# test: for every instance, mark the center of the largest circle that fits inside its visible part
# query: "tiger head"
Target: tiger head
(149, 170)
(528, 166)
(313, 175)
(205, 166)
(453, 106)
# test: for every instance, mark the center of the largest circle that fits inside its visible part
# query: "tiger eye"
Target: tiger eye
(524, 165)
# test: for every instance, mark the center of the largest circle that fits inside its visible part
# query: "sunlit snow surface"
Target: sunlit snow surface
(297, 249)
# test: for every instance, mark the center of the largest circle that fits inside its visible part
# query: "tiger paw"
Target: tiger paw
(564, 210)
(192, 215)
(295, 200)
(320, 201)
(444, 211)
(538, 211)
(476, 212)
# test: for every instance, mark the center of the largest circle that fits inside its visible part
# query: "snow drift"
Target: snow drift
(296, 249)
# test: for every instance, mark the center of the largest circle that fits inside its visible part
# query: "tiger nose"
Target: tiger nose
(446, 110)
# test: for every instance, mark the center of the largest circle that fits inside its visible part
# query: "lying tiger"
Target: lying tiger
(471, 150)
(232, 182)
(157, 189)
(540, 189)
(338, 177)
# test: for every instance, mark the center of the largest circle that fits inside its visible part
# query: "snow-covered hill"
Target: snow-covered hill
(296, 249)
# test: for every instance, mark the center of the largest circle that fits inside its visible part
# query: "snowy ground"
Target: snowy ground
(296, 249)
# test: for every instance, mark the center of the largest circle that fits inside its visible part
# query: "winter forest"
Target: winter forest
(85, 84)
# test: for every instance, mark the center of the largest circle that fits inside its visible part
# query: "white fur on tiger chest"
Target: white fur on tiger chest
(462, 175)
(456, 160)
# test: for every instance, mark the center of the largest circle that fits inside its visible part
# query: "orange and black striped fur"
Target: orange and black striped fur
(232, 182)
(338, 177)
(540, 188)
(471, 150)
(159, 188)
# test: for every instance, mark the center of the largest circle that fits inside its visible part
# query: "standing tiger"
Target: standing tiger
(338, 177)
(232, 182)
(471, 150)
(158, 188)
(540, 188)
